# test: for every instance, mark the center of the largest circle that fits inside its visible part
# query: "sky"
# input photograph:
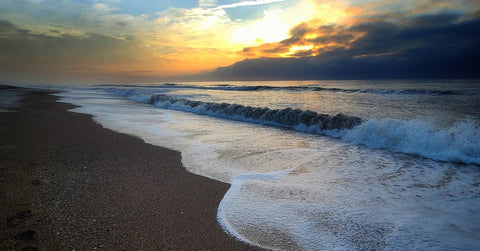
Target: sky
(118, 41)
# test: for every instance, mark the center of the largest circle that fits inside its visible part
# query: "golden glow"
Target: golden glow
(310, 14)
(296, 49)
(203, 35)
(269, 29)
(275, 24)
(311, 36)
(175, 39)
(210, 39)
(325, 12)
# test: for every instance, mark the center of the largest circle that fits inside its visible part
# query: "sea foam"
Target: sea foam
(458, 143)
(293, 190)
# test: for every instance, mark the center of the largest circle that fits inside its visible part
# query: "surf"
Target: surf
(458, 143)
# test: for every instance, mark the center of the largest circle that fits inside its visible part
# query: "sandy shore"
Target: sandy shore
(67, 183)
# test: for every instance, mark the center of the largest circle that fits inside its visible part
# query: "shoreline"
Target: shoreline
(69, 183)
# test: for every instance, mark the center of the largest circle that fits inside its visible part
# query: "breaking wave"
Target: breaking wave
(459, 143)
(307, 121)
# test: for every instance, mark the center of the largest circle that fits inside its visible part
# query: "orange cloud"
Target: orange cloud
(333, 27)
(306, 40)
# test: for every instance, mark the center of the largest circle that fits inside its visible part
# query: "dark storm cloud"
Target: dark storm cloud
(444, 45)
(433, 20)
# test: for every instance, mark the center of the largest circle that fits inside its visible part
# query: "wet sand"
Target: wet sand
(68, 183)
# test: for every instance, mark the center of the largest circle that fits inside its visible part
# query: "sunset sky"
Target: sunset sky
(51, 41)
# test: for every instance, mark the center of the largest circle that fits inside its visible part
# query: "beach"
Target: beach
(240, 124)
(67, 183)
(88, 167)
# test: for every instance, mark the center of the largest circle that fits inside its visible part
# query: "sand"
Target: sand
(68, 183)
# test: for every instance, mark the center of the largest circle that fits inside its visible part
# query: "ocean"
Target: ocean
(336, 165)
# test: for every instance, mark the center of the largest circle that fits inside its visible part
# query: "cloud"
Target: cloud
(122, 39)
(56, 40)
(243, 4)
(168, 41)
(206, 3)
(40, 57)
(425, 46)
(104, 7)
(191, 28)
(74, 17)
(31, 56)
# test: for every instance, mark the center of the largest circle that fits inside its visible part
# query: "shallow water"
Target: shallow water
(10, 98)
(377, 185)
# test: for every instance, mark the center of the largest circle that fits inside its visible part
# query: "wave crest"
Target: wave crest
(308, 121)
(459, 143)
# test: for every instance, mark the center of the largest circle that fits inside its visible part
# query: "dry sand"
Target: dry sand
(67, 183)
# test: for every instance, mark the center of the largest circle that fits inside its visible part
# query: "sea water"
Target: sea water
(9, 98)
(319, 164)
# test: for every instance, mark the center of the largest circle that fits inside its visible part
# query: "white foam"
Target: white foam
(354, 198)
(300, 191)
(458, 143)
